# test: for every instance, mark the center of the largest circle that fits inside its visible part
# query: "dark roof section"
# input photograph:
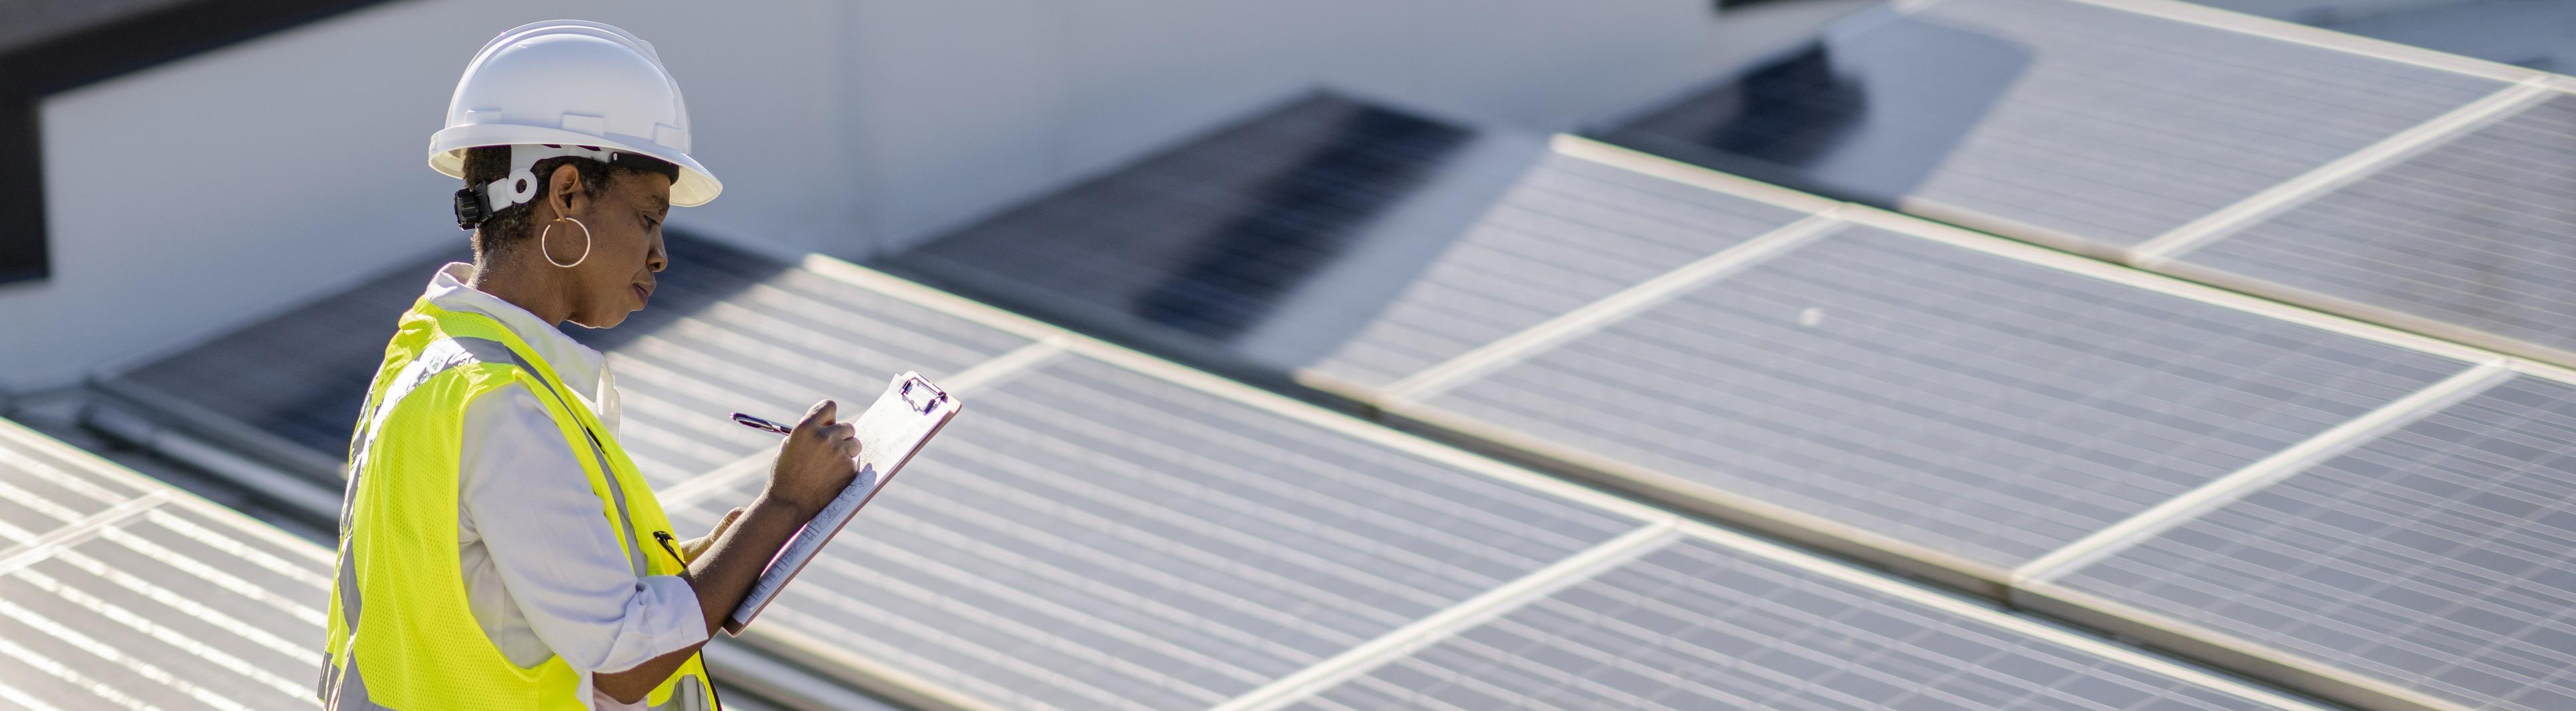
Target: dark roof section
(1335, 240)
(55, 45)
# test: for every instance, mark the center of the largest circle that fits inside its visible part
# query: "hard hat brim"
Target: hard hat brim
(694, 187)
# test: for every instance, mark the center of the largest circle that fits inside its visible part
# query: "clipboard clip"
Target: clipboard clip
(922, 396)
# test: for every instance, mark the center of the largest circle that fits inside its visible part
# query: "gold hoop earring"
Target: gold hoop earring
(550, 255)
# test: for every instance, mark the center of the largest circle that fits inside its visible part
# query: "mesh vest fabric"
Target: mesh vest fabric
(416, 644)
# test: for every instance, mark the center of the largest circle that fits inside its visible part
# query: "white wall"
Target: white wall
(191, 198)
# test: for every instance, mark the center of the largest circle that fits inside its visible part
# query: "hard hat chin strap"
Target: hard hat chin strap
(476, 203)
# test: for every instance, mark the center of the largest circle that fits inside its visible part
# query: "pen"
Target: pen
(761, 424)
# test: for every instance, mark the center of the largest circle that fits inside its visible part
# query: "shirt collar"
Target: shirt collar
(579, 366)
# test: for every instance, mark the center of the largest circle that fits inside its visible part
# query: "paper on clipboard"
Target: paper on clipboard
(890, 432)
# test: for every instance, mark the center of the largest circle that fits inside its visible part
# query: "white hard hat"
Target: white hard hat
(567, 88)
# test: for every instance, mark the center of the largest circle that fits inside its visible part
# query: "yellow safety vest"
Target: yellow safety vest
(420, 648)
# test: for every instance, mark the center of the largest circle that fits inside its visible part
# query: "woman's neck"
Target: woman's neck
(536, 290)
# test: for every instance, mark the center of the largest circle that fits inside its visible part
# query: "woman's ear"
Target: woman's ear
(564, 191)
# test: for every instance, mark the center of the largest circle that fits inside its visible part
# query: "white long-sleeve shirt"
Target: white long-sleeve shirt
(544, 574)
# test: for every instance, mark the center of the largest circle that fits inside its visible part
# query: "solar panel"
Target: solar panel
(1694, 624)
(727, 331)
(162, 601)
(1342, 240)
(2438, 558)
(1919, 394)
(1092, 537)
(47, 487)
(2053, 120)
(2467, 238)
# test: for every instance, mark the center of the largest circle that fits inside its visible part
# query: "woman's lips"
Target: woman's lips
(641, 293)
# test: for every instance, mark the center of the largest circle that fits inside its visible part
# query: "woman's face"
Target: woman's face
(625, 251)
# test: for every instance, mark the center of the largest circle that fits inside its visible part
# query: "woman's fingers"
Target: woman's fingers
(818, 416)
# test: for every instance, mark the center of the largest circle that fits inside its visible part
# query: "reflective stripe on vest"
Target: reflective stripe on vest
(345, 688)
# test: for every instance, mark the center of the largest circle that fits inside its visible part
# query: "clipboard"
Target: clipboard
(891, 431)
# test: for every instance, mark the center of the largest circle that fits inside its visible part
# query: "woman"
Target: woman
(497, 549)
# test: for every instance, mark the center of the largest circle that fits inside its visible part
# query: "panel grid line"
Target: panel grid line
(2285, 463)
(2155, 253)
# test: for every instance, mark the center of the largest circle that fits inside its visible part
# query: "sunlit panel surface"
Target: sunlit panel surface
(2106, 126)
(159, 600)
(1976, 404)
(1086, 536)
(2439, 556)
(2475, 234)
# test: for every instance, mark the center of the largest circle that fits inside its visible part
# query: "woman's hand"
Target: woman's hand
(689, 549)
(816, 461)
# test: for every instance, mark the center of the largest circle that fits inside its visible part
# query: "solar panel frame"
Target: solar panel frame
(2262, 253)
(2072, 592)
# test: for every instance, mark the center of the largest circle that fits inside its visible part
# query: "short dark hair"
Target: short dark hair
(505, 229)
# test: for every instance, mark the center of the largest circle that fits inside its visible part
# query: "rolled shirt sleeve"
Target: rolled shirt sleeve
(527, 505)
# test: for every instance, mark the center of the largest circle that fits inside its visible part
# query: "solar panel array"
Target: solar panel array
(1986, 414)
(1109, 530)
(120, 592)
